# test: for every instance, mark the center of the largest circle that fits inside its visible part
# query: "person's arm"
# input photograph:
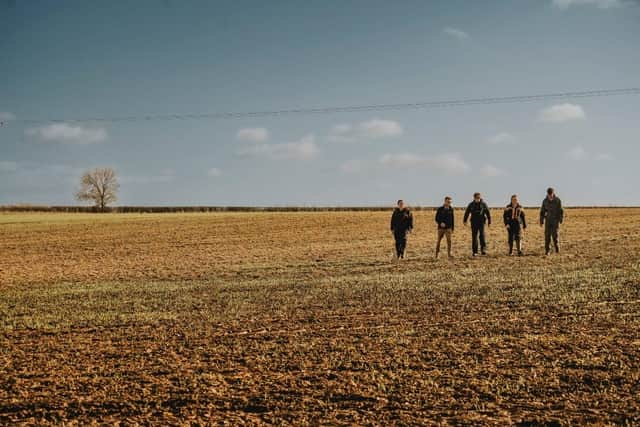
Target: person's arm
(561, 214)
(505, 217)
(438, 216)
(524, 220)
(543, 213)
(392, 218)
(453, 219)
(466, 213)
(488, 213)
(410, 221)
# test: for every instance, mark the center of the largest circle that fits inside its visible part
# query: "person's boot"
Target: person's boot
(510, 248)
(557, 248)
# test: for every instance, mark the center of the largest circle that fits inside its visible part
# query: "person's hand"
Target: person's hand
(443, 225)
(506, 226)
(464, 223)
(541, 223)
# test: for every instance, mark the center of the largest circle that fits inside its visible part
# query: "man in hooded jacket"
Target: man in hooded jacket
(480, 214)
(401, 225)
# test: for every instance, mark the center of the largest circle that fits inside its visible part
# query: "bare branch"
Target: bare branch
(100, 186)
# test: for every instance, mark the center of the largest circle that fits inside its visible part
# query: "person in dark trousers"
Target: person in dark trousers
(551, 216)
(515, 223)
(445, 221)
(479, 213)
(401, 225)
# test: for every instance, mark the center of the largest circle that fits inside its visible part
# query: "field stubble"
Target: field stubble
(301, 318)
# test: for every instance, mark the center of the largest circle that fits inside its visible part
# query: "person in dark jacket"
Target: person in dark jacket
(479, 213)
(551, 216)
(445, 221)
(401, 225)
(515, 222)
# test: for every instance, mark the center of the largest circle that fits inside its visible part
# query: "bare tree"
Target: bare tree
(100, 186)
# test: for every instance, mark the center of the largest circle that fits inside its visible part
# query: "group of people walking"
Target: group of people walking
(478, 215)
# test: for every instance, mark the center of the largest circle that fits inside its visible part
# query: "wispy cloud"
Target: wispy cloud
(502, 138)
(253, 135)
(600, 4)
(8, 166)
(353, 166)
(456, 33)
(492, 171)
(365, 131)
(578, 153)
(562, 113)
(68, 134)
(214, 172)
(6, 116)
(448, 163)
(603, 157)
(303, 149)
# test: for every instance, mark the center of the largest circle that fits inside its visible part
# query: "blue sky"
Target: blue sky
(75, 59)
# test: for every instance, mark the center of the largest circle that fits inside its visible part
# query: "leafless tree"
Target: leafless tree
(100, 186)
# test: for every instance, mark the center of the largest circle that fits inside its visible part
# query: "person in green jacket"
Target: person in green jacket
(551, 216)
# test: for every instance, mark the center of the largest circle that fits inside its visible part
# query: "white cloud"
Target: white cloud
(402, 160)
(501, 138)
(65, 133)
(604, 157)
(601, 4)
(456, 33)
(213, 172)
(448, 163)
(492, 171)
(303, 149)
(6, 116)
(562, 113)
(253, 135)
(365, 131)
(352, 166)
(7, 166)
(577, 153)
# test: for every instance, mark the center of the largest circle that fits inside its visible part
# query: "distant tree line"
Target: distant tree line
(100, 186)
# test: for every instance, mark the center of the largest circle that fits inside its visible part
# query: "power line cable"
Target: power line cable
(345, 109)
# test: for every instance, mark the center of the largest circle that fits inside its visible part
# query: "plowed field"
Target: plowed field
(302, 319)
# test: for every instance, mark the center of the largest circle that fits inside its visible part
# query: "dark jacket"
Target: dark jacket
(401, 221)
(479, 212)
(551, 211)
(445, 215)
(514, 221)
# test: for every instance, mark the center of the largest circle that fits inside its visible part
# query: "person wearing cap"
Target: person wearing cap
(445, 221)
(515, 223)
(401, 225)
(480, 214)
(551, 216)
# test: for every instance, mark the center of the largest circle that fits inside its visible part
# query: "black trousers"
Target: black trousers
(515, 235)
(477, 231)
(401, 243)
(551, 232)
